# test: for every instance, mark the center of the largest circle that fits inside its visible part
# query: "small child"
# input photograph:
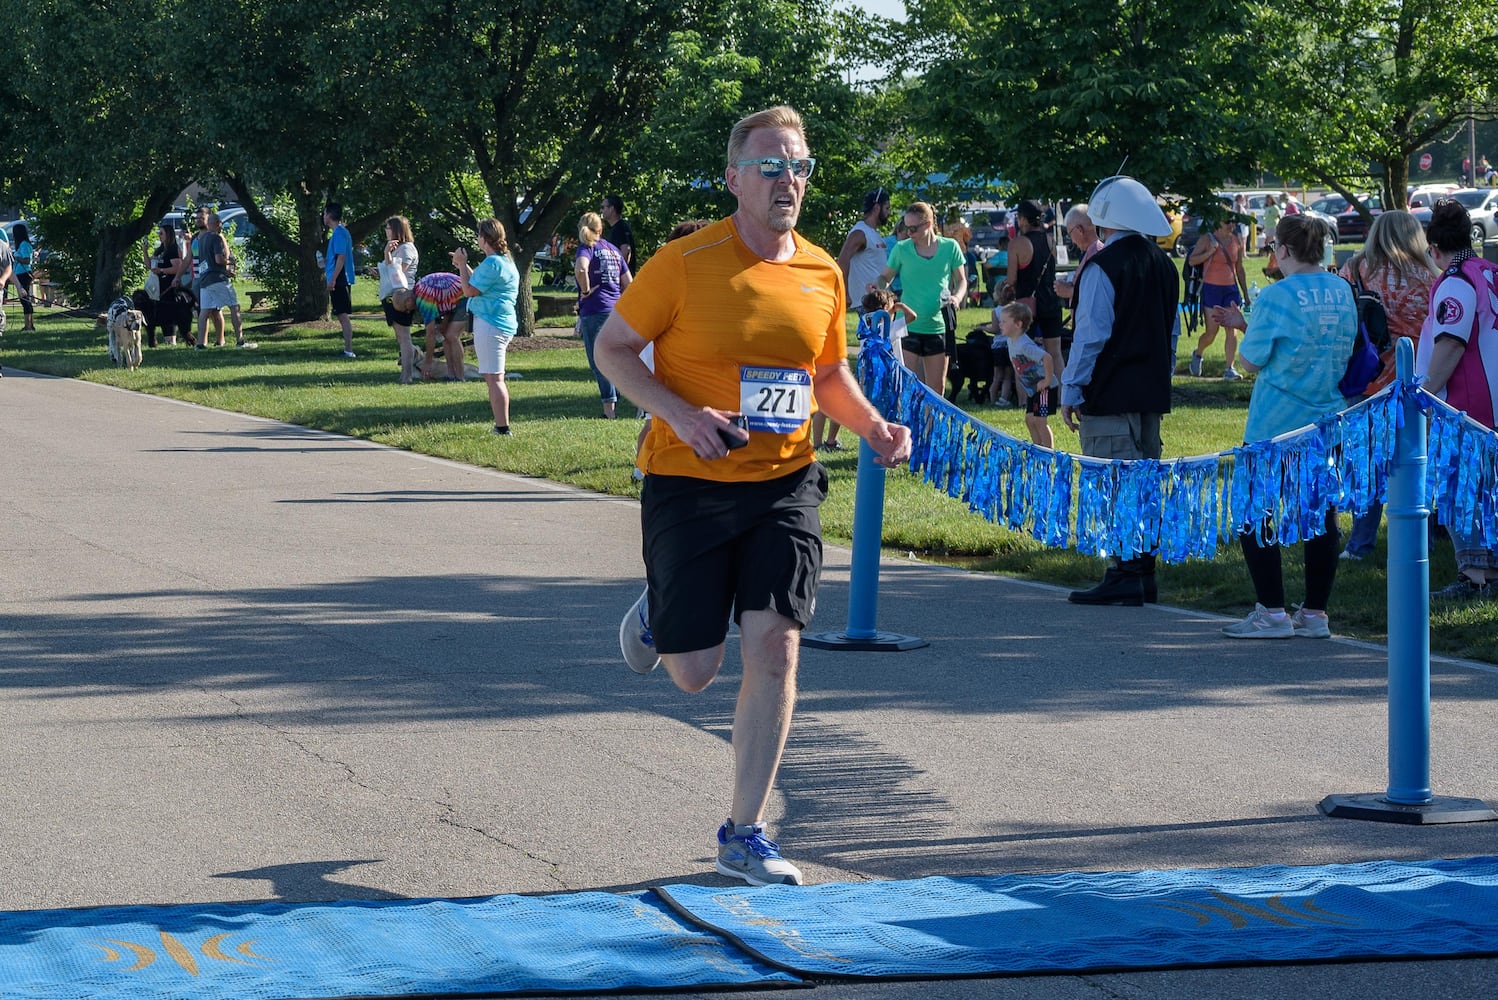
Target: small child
(874, 301)
(882, 299)
(1034, 372)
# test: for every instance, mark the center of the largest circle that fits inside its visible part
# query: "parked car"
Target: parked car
(989, 223)
(38, 250)
(1480, 203)
(1255, 201)
(1425, 195)
(1172, 216)
(1351, 226)
(237, 224)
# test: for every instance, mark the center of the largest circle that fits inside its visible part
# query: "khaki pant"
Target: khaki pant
(1122, 436)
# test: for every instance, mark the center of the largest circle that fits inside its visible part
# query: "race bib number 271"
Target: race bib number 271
(775, 399)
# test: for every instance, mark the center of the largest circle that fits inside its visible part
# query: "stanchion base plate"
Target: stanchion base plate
(879, 642)
(1375, 807)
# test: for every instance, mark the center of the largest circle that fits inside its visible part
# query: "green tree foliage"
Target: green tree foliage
(309, 101)
(89, 135)
(1359, 86)
(756, 54)
(544, 97)
(1055, 95)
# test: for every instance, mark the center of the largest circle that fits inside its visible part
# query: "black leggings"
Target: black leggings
(24, 280)
(1263, 563)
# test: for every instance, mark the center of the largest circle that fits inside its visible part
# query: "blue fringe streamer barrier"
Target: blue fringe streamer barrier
(1185, 508)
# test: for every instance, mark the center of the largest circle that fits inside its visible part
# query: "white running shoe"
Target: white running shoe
(635, 640)
(1261, 625)
(1311, 626)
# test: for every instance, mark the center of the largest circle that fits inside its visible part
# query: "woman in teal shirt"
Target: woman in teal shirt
(1298, 341)
(22, 257)
(492, 289)
(932, 272)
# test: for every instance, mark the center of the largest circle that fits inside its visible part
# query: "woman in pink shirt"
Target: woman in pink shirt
(1220, 253)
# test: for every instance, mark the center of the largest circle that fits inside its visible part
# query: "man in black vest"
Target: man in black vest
(1117, 380)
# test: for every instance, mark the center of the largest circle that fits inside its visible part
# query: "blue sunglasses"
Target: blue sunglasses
(773, 166)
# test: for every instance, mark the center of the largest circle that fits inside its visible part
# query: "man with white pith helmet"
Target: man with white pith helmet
(1117, 381)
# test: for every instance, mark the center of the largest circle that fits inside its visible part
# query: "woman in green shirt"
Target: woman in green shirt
(932, 272)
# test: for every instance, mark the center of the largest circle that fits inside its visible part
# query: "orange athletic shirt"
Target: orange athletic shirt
(1222, 267)
(711, 306)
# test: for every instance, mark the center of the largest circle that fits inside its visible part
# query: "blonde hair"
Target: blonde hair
(1396, 241)
(922, 209)
(590, 228)
(493, 233)
(780, 116)
(401, 226)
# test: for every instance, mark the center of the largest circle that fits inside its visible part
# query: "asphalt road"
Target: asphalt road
(241, 660)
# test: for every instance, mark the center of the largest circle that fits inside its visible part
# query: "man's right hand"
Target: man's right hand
(699, 429)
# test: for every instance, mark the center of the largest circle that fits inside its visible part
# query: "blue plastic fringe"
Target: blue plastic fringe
(1185, 508)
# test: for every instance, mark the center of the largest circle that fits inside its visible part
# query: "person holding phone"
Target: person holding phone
(746, 319)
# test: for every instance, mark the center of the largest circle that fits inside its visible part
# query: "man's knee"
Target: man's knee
(771, 643)
(695, 670)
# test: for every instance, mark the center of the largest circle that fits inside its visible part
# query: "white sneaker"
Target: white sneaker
(1261, 625)
(1195, 366)
(635, 640)
(1231, 375)
(744, 852)
(1311, 626)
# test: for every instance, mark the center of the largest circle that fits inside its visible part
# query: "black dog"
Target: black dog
(973, 366)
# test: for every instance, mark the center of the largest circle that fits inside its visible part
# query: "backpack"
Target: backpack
(1191, 304)
(1372, 340)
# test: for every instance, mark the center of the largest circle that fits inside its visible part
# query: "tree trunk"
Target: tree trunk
(312, 283)
(525, 304)
(109, 263)
(115, 242)
(1397, 184)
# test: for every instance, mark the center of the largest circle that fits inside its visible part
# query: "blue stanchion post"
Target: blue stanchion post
(868, 535)
(1408, 798)
(1409, 605)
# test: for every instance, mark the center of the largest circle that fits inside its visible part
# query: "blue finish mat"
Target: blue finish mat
(938, 927)
(583, 943)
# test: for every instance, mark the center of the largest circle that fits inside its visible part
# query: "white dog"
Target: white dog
(125, 324)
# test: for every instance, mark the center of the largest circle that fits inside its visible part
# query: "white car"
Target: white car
(1425, 195)
(1255, 200)
(1480, 203)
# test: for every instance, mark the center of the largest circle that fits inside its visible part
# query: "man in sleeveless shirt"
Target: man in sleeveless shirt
(1117, 382)
(747, 320)
(866, 249)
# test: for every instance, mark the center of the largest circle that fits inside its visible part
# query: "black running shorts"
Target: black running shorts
(713, 548)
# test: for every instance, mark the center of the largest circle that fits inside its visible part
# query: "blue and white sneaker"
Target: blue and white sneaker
(635, 640)
(745, 852)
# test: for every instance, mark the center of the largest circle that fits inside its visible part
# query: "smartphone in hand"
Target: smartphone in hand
(737, 436)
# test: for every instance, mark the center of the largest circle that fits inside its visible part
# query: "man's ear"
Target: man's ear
(731, 178)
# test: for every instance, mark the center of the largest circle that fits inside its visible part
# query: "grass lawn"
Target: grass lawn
(298, 375)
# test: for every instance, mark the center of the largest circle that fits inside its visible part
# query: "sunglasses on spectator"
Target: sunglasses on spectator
(773, 166)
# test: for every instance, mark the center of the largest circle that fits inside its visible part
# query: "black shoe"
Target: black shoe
(1117, 588)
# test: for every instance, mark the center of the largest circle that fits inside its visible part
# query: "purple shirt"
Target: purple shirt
(605, 264)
